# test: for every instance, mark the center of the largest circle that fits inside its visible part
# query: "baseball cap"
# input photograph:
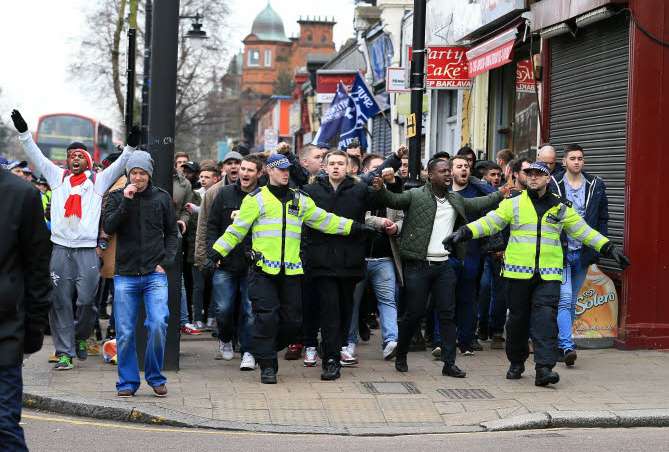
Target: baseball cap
(232, 155)
(278, 161)
(539, 166)
(191, 166)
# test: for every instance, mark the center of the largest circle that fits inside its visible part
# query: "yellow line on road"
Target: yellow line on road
(132, 427)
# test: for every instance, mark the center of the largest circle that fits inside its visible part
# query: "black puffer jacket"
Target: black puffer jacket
(147, 230)
(228, 199)
(334, 255)
(25, 284)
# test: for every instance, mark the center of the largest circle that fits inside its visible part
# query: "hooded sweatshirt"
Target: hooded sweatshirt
(72, 231)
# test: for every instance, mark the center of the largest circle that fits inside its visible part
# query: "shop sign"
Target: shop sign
(396, 80)
(525, 82)
(596, 307)
(326, 84)
(446, 67)
(494, 53)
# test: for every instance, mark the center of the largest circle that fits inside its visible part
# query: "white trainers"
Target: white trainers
(310, 357)
(225, 351)
(389, 350)
(346, 358)
(248, 362)
(199, 325)
(211, 324)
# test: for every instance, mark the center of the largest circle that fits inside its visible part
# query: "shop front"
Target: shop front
(605, 73)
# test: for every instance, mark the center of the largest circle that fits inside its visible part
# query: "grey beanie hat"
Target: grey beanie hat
(141, 160)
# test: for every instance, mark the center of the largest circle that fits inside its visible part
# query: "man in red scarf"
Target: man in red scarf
(76, 204)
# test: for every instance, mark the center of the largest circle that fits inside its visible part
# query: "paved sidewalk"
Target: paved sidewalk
(605, 388)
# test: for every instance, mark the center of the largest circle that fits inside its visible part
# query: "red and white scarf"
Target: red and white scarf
(73, 202)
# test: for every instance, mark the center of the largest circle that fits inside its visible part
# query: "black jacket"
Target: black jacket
(25, 282)
(146, 229)
(228, 199)
(334, 255)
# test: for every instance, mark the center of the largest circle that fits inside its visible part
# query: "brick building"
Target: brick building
(269, 56)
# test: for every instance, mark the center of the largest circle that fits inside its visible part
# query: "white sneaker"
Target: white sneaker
(389, 350)
(199, 325)
(346, 359)
(211, 323)
(351, 350)
(227, 351)
(310, 357)
(219, 352)
(248, 362)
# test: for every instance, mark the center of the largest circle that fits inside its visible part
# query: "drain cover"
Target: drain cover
(390, 387)
(465, 394)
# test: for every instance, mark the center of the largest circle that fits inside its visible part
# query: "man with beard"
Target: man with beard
(468, 270)
(431, 213)
(76, 204)
(533, 266)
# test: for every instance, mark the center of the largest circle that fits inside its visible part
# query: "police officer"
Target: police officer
(533, 265)
(274, 214)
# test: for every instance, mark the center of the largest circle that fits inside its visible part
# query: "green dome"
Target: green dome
(268, 26)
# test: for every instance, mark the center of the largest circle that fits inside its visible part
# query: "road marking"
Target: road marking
(131, 427)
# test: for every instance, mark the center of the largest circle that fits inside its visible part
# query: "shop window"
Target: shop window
(268, 58)
(446, 135)
(254, 57)
(501, 95)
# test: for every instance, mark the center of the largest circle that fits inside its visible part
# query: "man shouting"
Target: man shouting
(76, 204)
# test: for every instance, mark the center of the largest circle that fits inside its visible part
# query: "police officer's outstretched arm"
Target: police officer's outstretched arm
(490, 224)
(235, 233)
(326, 222)
(578, 229)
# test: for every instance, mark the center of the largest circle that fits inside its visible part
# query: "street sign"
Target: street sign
(271, 139)
(396, 80)
(411, 125)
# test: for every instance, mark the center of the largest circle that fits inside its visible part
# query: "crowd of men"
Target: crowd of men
(308, 251)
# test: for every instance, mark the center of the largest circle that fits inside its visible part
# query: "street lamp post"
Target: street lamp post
(415, 120)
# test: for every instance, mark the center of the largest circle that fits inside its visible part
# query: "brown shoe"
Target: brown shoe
(124, 393)
(160, 391)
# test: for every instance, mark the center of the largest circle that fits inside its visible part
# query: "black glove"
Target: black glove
(612, 252)
(33, 339)
(210, 265)
(135, 136)
(461, 235)
(361, 228)
(19, 123)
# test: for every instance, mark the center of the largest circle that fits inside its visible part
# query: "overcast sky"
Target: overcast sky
(38, 39)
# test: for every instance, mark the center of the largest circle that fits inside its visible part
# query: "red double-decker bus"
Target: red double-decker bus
(56, 131)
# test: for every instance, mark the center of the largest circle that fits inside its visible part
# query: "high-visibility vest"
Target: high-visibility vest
(276, 228)
(534, 246)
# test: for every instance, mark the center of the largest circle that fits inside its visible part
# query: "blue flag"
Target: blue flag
(332, 120)
(364, 99)
(352, 127)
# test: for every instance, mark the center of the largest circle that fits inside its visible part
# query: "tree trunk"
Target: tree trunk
(115, 56)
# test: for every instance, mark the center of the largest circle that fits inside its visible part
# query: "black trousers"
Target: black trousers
(336, 307)
(276, 301)
(532, 313)
(310, 313)
(422, 279)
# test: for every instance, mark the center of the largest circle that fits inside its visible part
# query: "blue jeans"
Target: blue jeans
(129, 291)
(574, 276)
(11, 390)
(183, 314)
(228, 287)
(492, 297)
(381, 275)
(465, 295)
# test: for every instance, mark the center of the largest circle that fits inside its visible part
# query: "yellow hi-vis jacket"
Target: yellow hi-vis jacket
(534, 246)
(277, 228)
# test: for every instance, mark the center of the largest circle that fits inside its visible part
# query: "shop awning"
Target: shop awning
(493, 53)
